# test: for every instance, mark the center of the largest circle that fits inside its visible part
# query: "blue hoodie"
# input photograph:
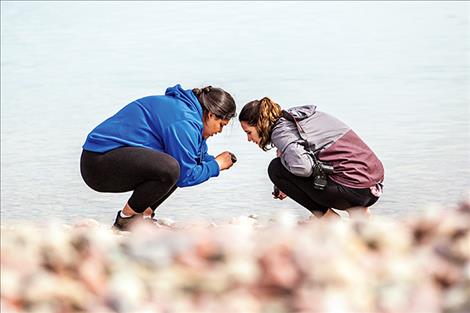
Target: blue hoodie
(171, 124)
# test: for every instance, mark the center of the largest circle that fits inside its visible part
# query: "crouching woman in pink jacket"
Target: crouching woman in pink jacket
(322, 163)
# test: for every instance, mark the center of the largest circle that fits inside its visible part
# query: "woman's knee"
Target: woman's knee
(88, 170)
(171, 171)
(275, 170)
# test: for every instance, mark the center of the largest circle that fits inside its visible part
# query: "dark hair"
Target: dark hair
(217, 101)
(262, 114)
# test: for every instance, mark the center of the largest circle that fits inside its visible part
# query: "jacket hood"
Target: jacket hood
(302, 112)
(187, 96)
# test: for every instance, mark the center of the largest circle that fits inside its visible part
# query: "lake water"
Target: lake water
(396, 72)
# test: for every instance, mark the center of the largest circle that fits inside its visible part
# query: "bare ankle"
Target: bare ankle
(359, 212)
(148, 212)
(331, 214)
(128, 211)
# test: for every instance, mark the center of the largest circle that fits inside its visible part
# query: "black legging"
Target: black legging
(301, 190)
(152, 175)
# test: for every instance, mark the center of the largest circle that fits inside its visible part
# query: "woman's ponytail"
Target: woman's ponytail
(262, 114)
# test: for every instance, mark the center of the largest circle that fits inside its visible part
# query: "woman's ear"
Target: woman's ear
(206, 115)
(211, 115)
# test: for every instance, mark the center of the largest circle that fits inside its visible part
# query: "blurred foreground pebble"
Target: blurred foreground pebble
(418, 264)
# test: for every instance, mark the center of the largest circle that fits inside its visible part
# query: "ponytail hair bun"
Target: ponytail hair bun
(217, 101)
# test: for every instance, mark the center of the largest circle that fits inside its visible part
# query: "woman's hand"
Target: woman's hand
(278, 194)
(281, 196)
(224, 160)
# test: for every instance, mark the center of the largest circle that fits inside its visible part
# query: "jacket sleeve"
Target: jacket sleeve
(293, 155)
(205, 156)
(296, 160)
(182, 142)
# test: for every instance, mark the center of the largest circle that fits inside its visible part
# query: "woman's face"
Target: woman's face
(213, 125)
(251, 132)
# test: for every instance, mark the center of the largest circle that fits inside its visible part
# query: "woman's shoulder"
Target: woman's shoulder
(302, 112)
(185, 125)
(284, 130)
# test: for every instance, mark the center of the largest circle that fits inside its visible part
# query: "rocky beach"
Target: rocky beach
(408, 264)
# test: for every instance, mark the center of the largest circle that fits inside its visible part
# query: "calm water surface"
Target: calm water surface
(398, 73)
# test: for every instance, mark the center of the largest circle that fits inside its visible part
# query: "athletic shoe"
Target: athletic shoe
(126, 223)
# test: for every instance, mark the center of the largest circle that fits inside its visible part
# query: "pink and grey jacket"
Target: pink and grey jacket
(355, 164)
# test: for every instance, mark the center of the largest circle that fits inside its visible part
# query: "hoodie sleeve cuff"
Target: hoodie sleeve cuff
(214, 168)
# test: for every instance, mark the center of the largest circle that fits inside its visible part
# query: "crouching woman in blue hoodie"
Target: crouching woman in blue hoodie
(322, 163)
(154, 145)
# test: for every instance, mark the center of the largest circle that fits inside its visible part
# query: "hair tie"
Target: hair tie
(206, 89)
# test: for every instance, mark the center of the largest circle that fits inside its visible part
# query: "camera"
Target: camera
(320, 170)
(327, 169)
(319, 181)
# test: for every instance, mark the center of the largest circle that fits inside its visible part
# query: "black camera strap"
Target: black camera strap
(301, 131)
(319, 175)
